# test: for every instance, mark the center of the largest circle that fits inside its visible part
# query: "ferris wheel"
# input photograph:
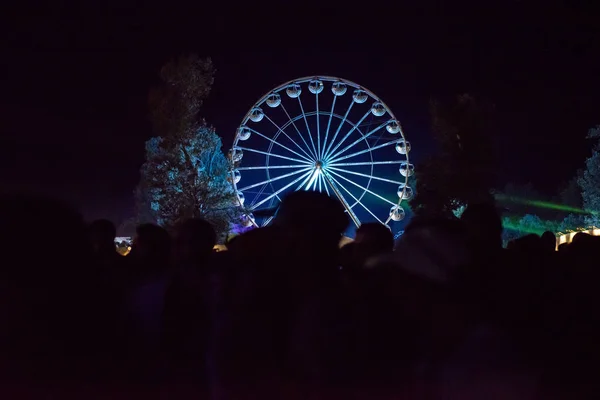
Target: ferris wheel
(324, 134)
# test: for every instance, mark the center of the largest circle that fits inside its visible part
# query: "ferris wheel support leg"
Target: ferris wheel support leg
(339, 195)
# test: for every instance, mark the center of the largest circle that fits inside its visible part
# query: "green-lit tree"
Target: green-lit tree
(590, 181)
(463, 171)
(185, 172)
(516, 227)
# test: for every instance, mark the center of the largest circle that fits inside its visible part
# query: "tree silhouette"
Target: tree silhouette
(463, 171)
(175, 104)
(185, 172)
(570, 195)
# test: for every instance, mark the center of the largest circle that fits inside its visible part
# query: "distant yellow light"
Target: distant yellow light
(568, 237)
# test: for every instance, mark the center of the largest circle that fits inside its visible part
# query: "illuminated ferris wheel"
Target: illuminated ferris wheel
(327, 134)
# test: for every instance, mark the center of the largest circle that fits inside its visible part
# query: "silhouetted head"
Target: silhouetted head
(312, 217)
(347, 256)
(529, 244)
(563, 247)
(194, 240)
(44, 282)
(549, 241)
(581, 238)
(484, 226)
(584, 243)
(375, 238)
(432, 259)
(151, 244)
(256, 246)
(39, 232)
(102, 233)
(435, 249)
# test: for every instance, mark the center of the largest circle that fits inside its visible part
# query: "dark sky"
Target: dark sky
(73, 114)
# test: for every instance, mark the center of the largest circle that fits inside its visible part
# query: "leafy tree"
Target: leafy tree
(519, 201)
(515, 227)
(572, 222)
(510, 230)
(459, 211)
(463, 171)
(143, 211)
(188, 181)
(431, 197)
(185, 172)
(534, 224)
(590, 181)
(175, 105)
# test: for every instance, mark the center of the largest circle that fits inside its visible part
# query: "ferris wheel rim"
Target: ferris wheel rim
(305, 79)
(326, 78)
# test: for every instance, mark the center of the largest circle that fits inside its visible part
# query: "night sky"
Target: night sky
(73, 115)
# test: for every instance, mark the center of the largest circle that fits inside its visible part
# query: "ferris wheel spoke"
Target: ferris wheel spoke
(328, 125)
(336, 155)
(318, 127)
(280, 145)
(268, 221)
(257, 194)
(337, 131)
(279, 129)
(298, 130)
(357, 200)
(317, 180)
(304, 182)
(352, 164)
(363, 188)
(270, 167)
(325, 185)
(263, 201)
(313, 179)
(307, 127)
(338, 161)
(337, 146)
(274, 155)
(358, 153)
(366, 175)
(329, 180)
(275, 179)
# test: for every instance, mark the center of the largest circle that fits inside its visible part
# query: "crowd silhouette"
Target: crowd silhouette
(284, 313)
